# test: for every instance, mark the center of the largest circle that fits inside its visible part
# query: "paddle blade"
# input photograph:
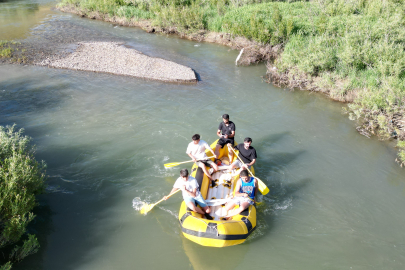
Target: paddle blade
(262, 187)
(169, 165)
(146, 208)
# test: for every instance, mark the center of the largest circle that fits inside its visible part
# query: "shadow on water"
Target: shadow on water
(76, 210)
(41, 226)
(202, 258)
(73, 182)
(22, 96)
(269, 162)
(17, 99)
(197, 75)
(278, 201)
(268, 141)
(271, 169)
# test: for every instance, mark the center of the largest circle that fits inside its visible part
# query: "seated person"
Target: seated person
(245, 192)
(191, 194)
(246, 153)
(196, 150)
(226, 133)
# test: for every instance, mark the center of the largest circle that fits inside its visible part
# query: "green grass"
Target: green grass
(364, 47)
(401, 153)
(21, 179)
(5, 50)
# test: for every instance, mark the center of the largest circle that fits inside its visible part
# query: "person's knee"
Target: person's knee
(229, 206)
(207, 209)
(192, 206)
(244, 205)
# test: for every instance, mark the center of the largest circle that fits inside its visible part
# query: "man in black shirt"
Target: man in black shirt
(246, 152)
(226, 133)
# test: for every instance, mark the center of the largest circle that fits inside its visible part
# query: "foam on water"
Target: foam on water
(137, 203)
(57, 189)
(173, 213)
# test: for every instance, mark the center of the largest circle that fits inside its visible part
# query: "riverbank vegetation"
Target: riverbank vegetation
(5, 49)
(11, 51)
(353, 50)
(21, 179)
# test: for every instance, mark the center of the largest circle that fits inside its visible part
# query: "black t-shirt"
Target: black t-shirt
(246, 155)
(227, 130)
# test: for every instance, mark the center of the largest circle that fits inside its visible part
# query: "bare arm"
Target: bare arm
(192, 157)
(237, 193)
(232, 134)
(213, 153)
(190, 193)
(171, 192)
(252, 162)
(219, 133)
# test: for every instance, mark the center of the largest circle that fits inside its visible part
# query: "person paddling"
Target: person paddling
(247, 154)
(191, 193)
(196, 150)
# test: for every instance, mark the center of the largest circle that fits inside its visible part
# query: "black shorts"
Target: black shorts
(223, 141)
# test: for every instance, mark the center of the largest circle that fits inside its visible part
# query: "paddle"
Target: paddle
(147, 207)
(174, 164)
(262, 186)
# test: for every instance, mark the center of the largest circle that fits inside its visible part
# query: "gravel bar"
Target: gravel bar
(113, 57)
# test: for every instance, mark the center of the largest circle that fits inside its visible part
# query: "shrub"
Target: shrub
(21, 179)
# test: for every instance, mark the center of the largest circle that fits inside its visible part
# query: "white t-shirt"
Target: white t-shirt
(191, 184)
(198, 150)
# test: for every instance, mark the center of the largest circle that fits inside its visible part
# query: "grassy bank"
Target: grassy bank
(21, 179)
(353, 50)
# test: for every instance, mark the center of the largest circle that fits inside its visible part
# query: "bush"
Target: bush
(5, 50)
(21, 179)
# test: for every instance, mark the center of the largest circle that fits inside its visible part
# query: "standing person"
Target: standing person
(196, 150)
(226, 133)
(191, 193)
(246, 152)
(245, 192)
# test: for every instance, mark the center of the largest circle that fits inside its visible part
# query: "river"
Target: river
(336, 198)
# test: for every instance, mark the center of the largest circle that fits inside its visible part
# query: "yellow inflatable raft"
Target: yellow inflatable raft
(217, 232)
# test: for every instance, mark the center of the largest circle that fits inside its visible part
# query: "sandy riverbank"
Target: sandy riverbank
(112, 57)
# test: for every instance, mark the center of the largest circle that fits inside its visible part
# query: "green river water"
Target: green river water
(336, 198)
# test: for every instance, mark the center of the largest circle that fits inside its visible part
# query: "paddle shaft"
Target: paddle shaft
(168, 196)
(262, 186)
(178, 163)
